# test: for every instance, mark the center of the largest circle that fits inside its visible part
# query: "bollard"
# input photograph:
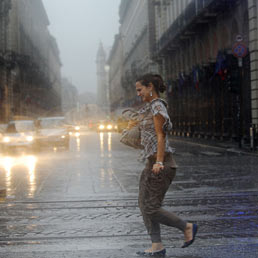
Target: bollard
(252, 138)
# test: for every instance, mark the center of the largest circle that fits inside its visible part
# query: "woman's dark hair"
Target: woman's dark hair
(155, 79)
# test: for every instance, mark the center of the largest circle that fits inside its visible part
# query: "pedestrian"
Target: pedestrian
(160, 167)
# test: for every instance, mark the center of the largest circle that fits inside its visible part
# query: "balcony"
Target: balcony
(197, 12)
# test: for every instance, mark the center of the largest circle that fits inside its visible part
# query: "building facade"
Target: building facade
(115, 62)
(102, 80)
(70, 100)
(30, 67)
(130, 55)
(5, 6)
(207, 57)
(70, 96)
(253, 49)
(206, 50)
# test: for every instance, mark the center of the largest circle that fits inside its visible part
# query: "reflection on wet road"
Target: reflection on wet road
(105, 147)
(85, 200)
(86, 166)
(13, 165)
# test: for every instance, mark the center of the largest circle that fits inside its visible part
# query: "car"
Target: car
(74, 130)
(18, 136)
(52, 132)
(2, 130)
(106, 126)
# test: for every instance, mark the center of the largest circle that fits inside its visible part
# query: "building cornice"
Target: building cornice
(135, 43)
(124, 5)
(193, 14)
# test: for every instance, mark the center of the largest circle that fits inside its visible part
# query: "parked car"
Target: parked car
(52, 132)
(18, 136)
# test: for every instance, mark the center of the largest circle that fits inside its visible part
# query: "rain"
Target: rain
(110, 110)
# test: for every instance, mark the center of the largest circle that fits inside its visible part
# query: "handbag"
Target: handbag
(132, 136)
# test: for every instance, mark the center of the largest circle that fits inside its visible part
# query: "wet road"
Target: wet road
(83, 202)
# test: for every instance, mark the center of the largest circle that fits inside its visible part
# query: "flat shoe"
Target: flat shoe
(195, 229)
(155, 254)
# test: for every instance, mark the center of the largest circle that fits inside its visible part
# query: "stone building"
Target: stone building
(115, 62)
(70, 96)
(212, 93)
(70, 100)
(5, 6)
(206, 51)
(130, 55)
(30, 68)
(253, 49)
(102, 80)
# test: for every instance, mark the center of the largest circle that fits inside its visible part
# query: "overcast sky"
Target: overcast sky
(79, 26)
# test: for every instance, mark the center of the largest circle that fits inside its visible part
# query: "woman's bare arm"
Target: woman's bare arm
(159, 120)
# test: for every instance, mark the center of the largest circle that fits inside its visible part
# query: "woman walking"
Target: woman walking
(160, 168)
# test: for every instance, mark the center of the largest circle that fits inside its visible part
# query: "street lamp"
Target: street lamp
(107, 68)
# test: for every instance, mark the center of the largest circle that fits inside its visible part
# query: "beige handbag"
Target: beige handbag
(132, 136)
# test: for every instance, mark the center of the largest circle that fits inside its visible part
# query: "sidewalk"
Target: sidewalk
(229, 146)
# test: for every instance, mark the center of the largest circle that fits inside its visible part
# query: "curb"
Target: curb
(229, 147)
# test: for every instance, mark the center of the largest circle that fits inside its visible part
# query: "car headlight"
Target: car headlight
(29, 138)
(6, 139)
(101, 127)
(63, 136)
(109, 127)
(77, 128)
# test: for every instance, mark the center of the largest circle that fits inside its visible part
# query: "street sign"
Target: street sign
(239, 38)
(239, 50)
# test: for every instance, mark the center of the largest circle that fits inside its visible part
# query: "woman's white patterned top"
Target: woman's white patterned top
(148, 133)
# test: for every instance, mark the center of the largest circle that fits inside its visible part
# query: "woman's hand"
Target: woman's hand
(156, 169)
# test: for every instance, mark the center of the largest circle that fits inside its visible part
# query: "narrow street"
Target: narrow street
(83, 202)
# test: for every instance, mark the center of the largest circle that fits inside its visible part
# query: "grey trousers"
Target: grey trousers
(152, 190)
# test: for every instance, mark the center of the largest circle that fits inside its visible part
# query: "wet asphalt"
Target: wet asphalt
(83, 202)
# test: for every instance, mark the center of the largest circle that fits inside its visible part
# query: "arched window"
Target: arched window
(215, 47)
(234, 31)
(199, 50)
(224, 38)
(207, 48)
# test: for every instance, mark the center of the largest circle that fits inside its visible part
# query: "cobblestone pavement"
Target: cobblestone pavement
(83, 203)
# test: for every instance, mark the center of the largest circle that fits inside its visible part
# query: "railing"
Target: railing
(192, 11)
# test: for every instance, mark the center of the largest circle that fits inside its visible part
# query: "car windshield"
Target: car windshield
(20, 126)
(51, 123)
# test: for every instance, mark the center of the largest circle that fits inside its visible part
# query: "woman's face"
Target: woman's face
(143, 91)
